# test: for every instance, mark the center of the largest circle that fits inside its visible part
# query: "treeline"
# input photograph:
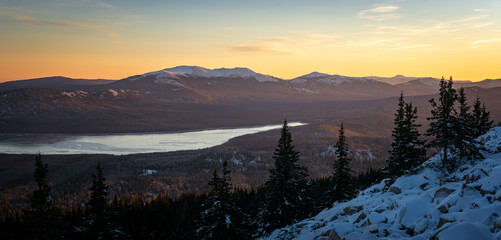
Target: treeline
(288, 195)
(223, 213)
(453, 129)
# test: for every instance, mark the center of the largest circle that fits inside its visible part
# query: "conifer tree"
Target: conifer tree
(98, 222)
(481, 119)
(98, 192)
(40, 200)
(41, 213)
(414, 146)
(221, 218)
(286, 200)
(394, 161)
(343, 187)
(464, 141)
(442, 121)
(407, 149)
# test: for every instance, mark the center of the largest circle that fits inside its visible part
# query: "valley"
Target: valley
(177, 102)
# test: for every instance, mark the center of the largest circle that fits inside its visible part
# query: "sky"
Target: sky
(283, 38)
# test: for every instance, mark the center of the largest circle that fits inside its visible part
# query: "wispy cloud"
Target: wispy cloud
(87, 3)
(302, 43)
(271, 46)
(480, 43)
(380, 13)
(380, 42)
(105, 5)
(412, 47)
(309, 43)
(64, 24)
(456, 25)
(256, 47)
(392, 44)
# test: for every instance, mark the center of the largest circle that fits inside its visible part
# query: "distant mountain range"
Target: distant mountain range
(198, 82)
(393, 80)
(53, 82)
(172, 98)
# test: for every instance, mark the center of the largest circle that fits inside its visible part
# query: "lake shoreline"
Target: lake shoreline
(124, 143)
(2, 134)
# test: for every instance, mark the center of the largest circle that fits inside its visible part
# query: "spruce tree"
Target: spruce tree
(40, 200)
(286, 200)
(407, 148)
(397, 154)
(442, 122)
(481, 119)
(98, 192)
(343, 187)
(414, 152)
(464, 128)
(221, 218)
(41, 215)
(98, 222)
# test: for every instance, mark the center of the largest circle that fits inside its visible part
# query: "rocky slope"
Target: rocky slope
(466, 206)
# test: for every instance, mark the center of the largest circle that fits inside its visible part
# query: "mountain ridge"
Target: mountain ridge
(174, 100)
(183, 71)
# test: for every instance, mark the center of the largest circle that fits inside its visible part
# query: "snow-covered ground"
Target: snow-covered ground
(468, 206)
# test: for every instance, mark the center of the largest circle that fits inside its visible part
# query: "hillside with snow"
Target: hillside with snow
(466, 206)
(176, 98)
(335, 80)
(196, 71)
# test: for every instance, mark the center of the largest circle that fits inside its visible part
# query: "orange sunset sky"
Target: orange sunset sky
(116, 39)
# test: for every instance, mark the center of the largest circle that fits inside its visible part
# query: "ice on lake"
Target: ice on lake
(118, 144)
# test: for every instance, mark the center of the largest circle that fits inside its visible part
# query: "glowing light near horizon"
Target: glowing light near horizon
(113, 41)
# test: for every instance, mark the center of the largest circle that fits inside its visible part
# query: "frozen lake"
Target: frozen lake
(125, 143)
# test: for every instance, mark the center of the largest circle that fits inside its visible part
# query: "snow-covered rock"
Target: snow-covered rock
(418, 206)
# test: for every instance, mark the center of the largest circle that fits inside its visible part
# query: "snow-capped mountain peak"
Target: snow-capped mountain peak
(196, 71)
(315, 75)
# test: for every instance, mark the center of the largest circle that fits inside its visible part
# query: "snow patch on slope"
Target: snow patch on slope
(76, 93)
(315, 75)
(167, 81)
(417, 206)
(322, 78)
(423, 81)
(336, 80)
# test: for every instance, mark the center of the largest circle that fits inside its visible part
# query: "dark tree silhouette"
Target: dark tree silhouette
(407, 149)
(43, 215)
(481, 118)
(442, 121)
(464, 127)
(41, 200)
(221, 218)
(98, 224)
(286, 198)
(343, 187)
